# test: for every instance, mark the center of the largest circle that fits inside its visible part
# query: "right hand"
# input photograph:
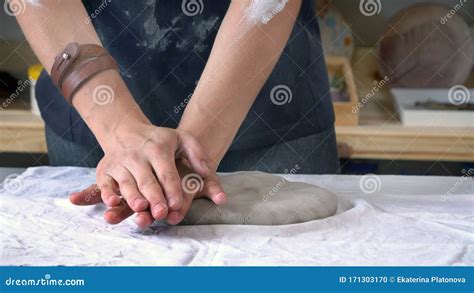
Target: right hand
(209, 187)
(139, 161)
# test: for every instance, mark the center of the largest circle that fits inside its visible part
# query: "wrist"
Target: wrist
(108, 108)
(129, 130)
(213, 155)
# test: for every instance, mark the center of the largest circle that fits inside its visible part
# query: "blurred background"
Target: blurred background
(402, 82)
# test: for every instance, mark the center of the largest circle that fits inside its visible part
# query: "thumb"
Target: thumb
(89, 196)
(192, 150)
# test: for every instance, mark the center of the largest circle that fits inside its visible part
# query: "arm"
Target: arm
(139, 157)
(49, 26)
(243, 56)
(241, 60)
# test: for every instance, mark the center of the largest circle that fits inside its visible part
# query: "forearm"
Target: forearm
(241, 60)
(49, 26)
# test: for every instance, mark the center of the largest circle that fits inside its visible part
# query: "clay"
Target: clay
(256, 198)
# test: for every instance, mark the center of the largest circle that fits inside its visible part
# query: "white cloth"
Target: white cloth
(409, 221)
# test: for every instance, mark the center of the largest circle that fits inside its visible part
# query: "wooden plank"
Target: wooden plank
(395, 143)
(20, 119)
(21, 132)
(22, 140)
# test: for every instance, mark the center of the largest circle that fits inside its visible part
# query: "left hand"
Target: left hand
(193, 187)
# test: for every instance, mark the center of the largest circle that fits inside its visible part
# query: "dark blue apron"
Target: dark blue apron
(162, 48)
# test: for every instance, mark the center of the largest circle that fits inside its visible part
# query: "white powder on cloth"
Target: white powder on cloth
(262, 11)
(408, 221)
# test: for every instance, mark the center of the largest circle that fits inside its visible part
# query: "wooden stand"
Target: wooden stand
(380, 135)
(345, 116)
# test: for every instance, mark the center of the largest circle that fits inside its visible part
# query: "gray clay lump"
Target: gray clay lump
(256, 198)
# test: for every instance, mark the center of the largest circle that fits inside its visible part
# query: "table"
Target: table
(381, 221)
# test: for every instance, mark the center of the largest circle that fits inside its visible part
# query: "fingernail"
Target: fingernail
(174, 203)
(140, 203)
(220, 198)
(158, 210)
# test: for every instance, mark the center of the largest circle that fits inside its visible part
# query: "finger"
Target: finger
(117, 214)
(109, 190)
(192, 150)
(150, 189)
(144, 219)
(164, 166)
(88, 196)
(175, 217)
(129, 190)
(214, 191)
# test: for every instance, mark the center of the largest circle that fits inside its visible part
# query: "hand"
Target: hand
(210, 186)
(139, 165)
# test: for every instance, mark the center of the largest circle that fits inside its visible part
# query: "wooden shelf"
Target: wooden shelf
(22, 132)
(379, 135)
